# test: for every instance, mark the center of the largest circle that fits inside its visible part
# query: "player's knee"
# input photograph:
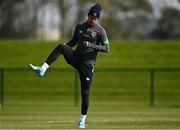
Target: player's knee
(61, 47)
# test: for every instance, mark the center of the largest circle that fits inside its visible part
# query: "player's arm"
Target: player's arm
(73, 41)
(104, 46)
(101, 48)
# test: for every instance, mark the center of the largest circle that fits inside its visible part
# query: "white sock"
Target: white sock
(83, 117)
(45, 66)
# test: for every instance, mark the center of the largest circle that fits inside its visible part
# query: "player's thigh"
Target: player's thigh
(68, 54)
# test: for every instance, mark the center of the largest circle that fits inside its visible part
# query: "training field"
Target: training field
(63, 115)
(118, 99)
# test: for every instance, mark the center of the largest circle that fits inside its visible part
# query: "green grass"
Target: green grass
(118, 99)
(128, 87)
(129, 54)
(63, 115)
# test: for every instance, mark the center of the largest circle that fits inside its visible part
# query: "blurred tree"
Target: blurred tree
(125, 18)
(122, 19)
(134, 5)
(126, 27)
(168, 26)
(63, 9)
(7, 17)
(19, 18)
(80, 10)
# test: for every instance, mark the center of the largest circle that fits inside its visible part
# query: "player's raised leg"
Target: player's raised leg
(67, 52)
(40, 70)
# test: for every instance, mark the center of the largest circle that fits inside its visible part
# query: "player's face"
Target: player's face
(92, 20)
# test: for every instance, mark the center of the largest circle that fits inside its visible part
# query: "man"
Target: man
(89, 39)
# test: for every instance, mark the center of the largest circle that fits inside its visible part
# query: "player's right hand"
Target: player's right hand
(87, 44)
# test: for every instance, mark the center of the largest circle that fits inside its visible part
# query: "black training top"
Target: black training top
(96, 35)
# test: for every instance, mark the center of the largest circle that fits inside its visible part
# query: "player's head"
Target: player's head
(94, 14)
(95, 11)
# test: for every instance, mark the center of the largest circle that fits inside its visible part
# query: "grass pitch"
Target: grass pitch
(102, 115)
(118, 100)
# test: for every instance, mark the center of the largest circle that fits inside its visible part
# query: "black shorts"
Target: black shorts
(74, 60)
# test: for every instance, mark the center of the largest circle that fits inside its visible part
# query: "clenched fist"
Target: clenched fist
(87, 44)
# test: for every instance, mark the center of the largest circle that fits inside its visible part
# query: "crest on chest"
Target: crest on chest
(91, 32)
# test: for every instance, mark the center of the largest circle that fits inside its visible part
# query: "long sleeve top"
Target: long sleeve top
(95, 35)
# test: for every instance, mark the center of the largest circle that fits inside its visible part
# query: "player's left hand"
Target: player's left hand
(87, 44)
